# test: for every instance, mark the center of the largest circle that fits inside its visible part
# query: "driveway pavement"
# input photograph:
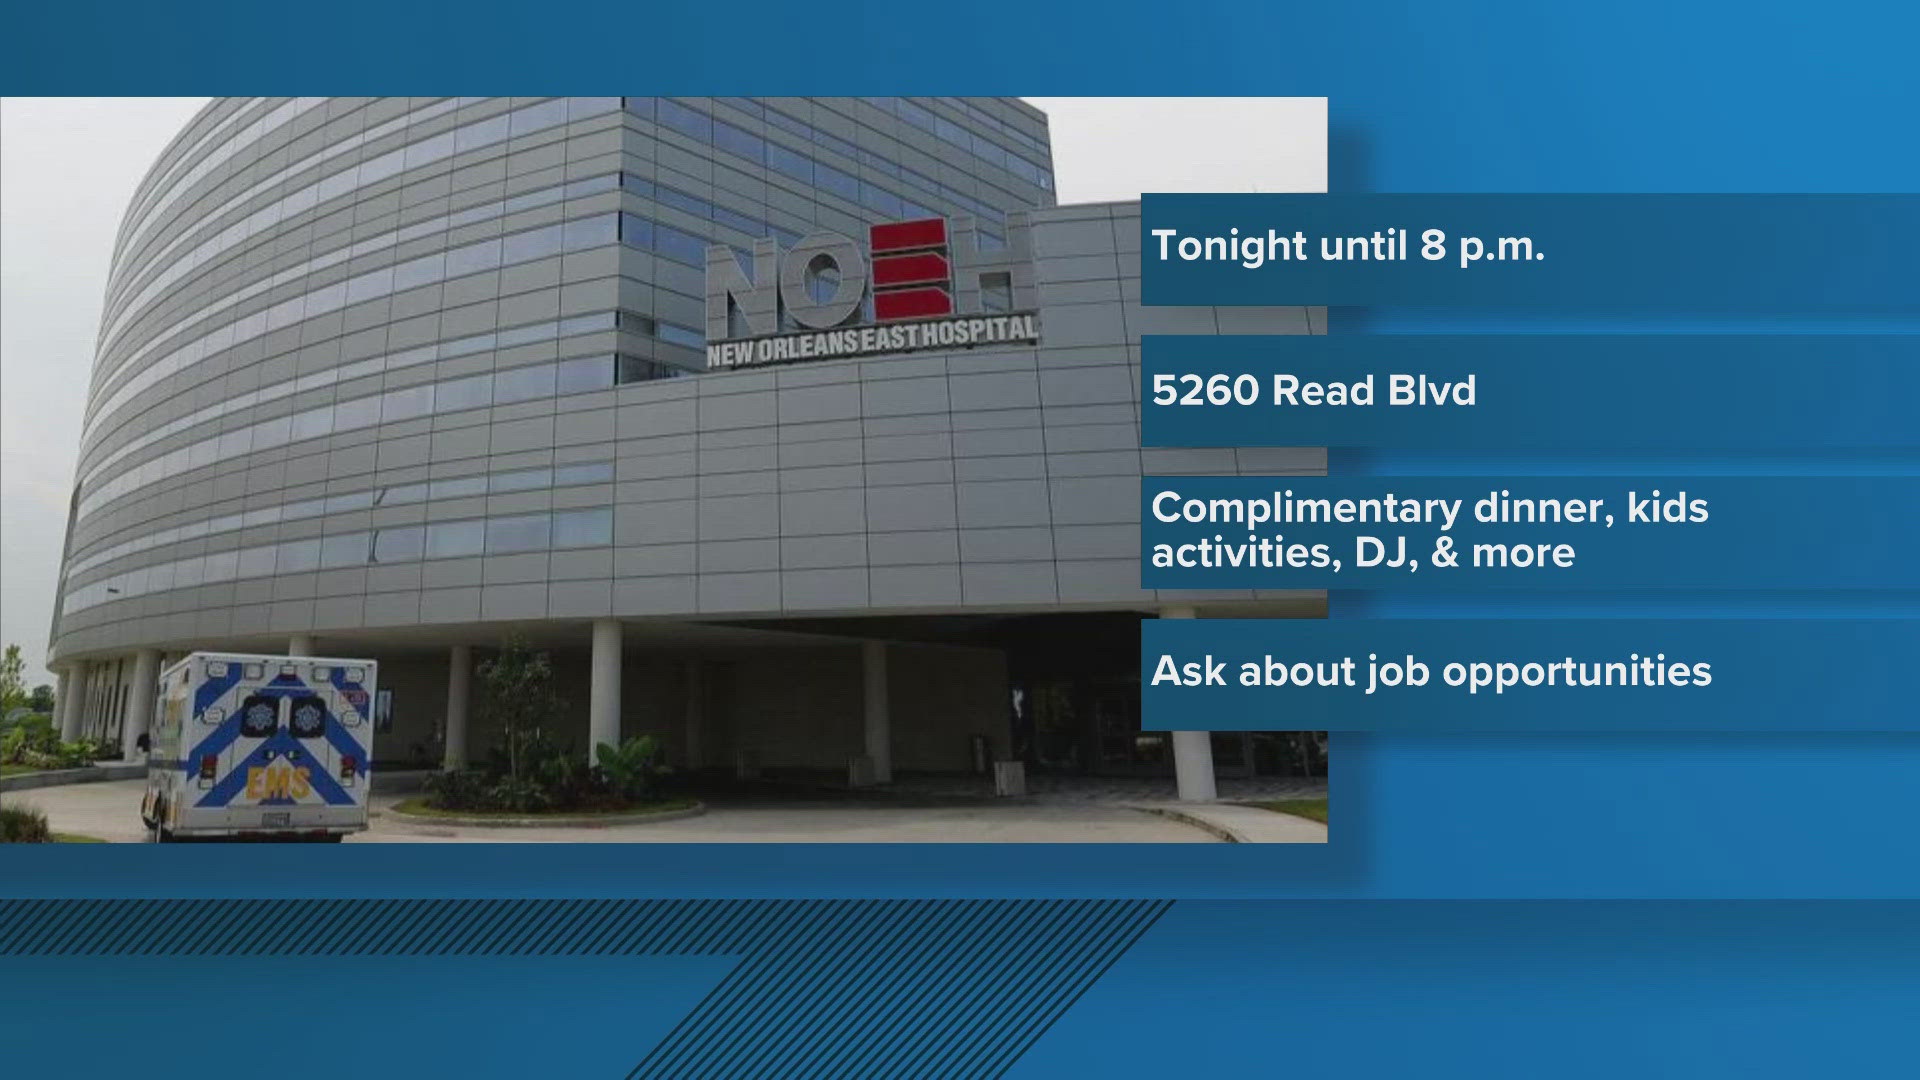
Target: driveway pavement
(110, 811)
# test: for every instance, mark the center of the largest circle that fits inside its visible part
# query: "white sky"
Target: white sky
(69, 165)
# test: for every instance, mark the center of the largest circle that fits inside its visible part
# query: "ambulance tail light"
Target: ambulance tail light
(349, 765)
(209, 764)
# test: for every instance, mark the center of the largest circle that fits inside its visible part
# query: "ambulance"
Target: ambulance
(260, 748)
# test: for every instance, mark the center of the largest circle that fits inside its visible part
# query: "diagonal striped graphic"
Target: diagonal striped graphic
(856, 988)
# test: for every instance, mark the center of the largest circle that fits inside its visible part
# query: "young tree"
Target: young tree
(517, 695)
(13, 690)
(41, 700)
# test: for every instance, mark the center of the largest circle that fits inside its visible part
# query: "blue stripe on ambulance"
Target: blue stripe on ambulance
(342, 741)
(229, 729)
(281, 743)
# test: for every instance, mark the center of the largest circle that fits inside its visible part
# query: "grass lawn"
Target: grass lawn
(1312, 809)
(75, 838)
(418, 805)
(11, 770)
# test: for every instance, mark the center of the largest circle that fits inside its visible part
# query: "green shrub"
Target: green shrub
(631, 767)
(459, 789)
(556, 781)
(23, 825)
(528, 773)
(29, 734)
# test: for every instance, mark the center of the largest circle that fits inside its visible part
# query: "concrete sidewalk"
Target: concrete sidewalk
(1243, 824)
(110, 811)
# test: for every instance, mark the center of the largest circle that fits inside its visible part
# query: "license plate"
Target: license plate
(283, 819)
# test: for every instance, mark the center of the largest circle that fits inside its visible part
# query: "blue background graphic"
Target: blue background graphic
(1785, 532)
(1557, 392)
(1765, 675)
(1616, 254)
(1715, 970)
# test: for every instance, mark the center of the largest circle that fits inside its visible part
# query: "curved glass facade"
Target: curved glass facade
(404, 376)
(323, 311)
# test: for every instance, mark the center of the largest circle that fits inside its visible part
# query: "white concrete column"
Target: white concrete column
(696, 714)
(459, 687)
(63, 706)
(300, 645)
(1192, 750)
(140, 695)
(879, 725)
(603, 693)
(76, 716)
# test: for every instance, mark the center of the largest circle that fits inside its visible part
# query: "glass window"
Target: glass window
(679, 246)
(348, 550)
(581, 107)
(480, 133)
(789, 125)
(952, 132)
(585, 324)
(357, 413)
(681, 335)
(996, 292)
(875, 197)
(308, 715)
(523, 480)
(735, 141)
(523, 384)
(296, 556)
(468, 393)
(748, 225)
(465, 345)
(448, 539)
(583, 528)
(836, 144)
(538, 117)
(259, 716)
(401, 494)
(789, 163)
(597, 472)
(521, 335)
(686, 121)
(680, 200)
(459, 487)
(582, 374)
(532, 244)
(367, 286)
(313, 423)
(636, 232)
(639, 185)
(588, 232)
(417, 272)
(528, 532)
(399, 545)
(407, 403)
(256, 561)
(914, 114)
(837, 182)
(306, 509)
(473, 258)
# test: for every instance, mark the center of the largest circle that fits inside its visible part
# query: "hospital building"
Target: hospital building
(804, 433)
